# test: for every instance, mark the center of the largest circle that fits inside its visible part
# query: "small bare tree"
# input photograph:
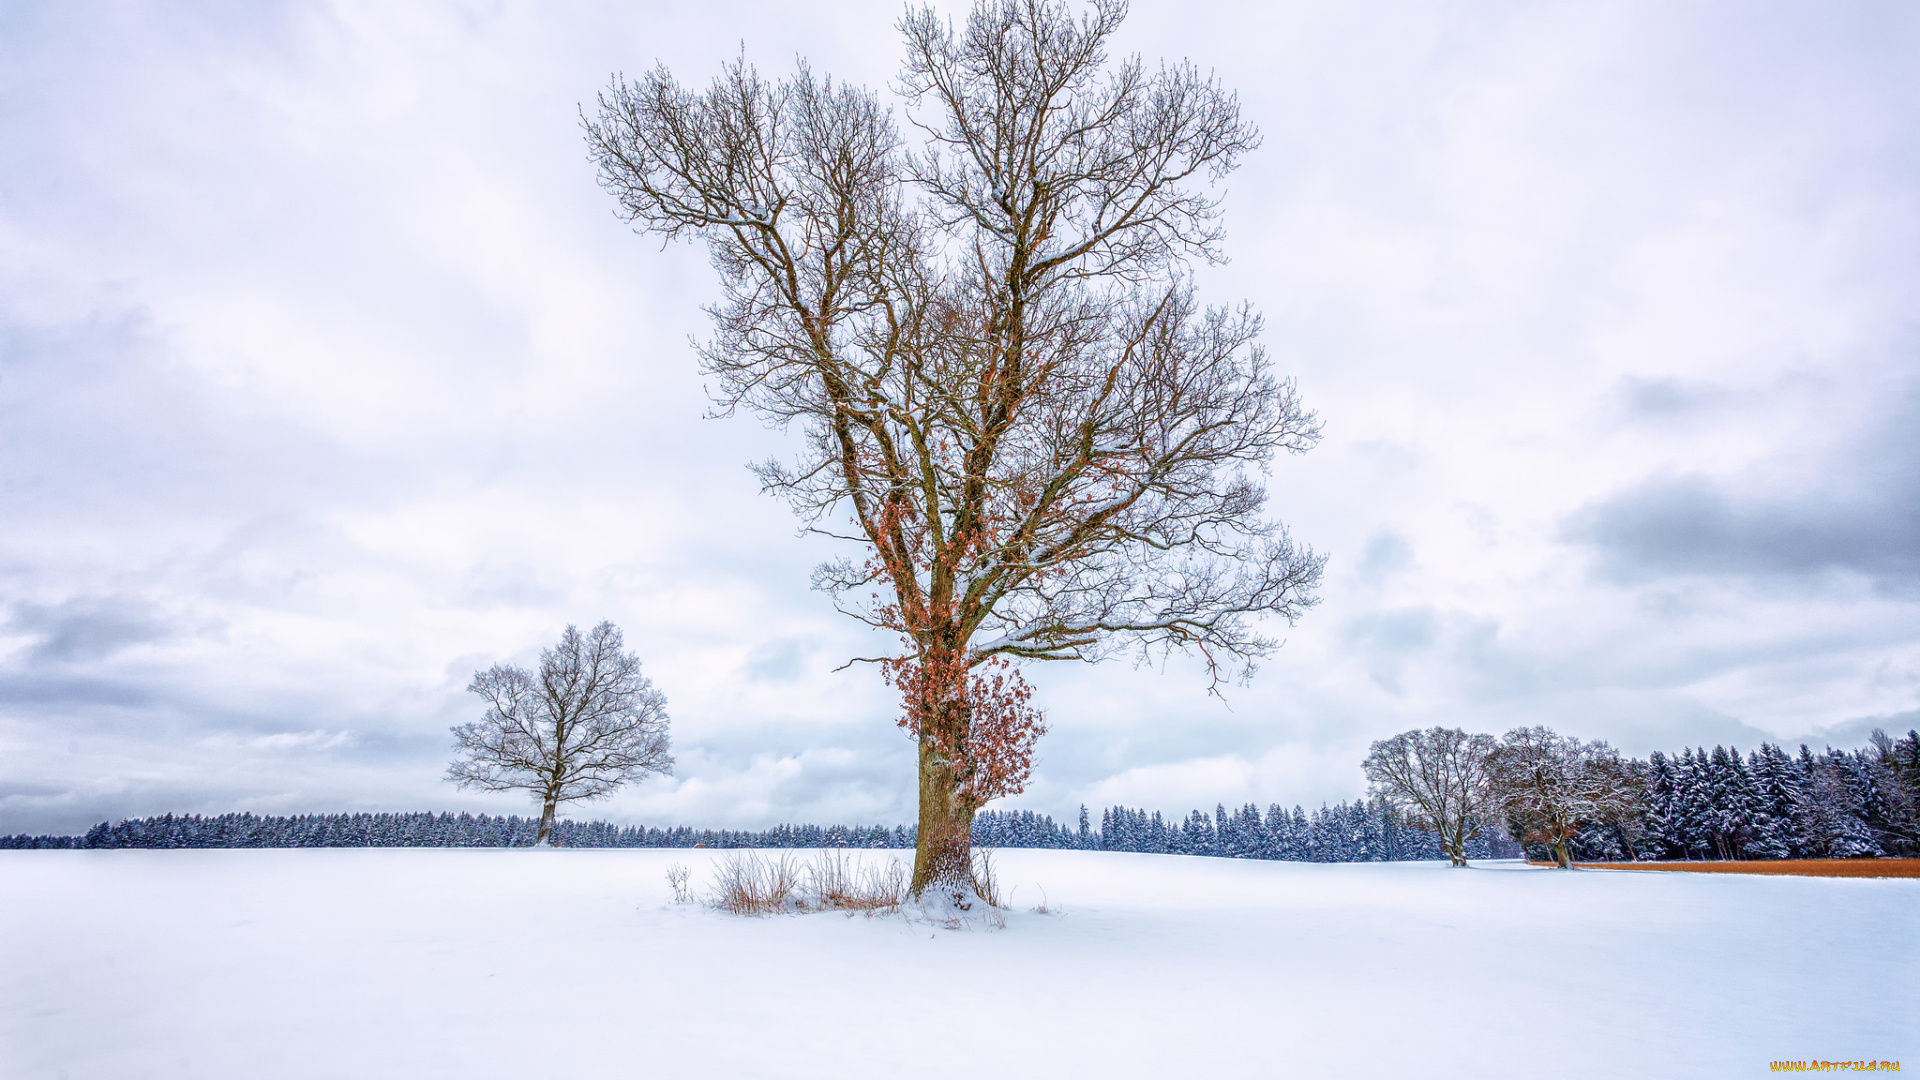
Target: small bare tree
(1549, 784)
(1010, 398)
(1438, 778)
(587, 723)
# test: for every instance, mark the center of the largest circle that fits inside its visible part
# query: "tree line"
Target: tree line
(1715, 804)
(440, 830)
(1582, 801)
(1360, 831)
(1697, 804)
(1368, 831)
(1344, 832)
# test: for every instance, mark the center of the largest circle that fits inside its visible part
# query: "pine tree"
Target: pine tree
(1302, 850)
(1226, 833)
(1776, 834)
(1252, 832)
(1663, 819)
(1729, 803)
(1692, 805)
(1276, 827)
(1197, 837)
(1835, 825)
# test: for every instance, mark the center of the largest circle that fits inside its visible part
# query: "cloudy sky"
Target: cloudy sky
(328, 376)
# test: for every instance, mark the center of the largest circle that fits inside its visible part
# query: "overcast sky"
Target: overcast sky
(328, 376)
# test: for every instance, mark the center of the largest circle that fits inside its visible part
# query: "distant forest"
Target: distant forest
(1345, 832)
(1715, 804)
(1698, 804)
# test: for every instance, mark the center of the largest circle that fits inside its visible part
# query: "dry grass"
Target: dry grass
(839, 883)
(986, 885)
(1865, 868)
(749, 883)
(756, 883)
(752, 884)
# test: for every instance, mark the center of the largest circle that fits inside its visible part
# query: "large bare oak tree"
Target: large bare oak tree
(1440, 779)
(586, 723)
(1549, 784)
(987, 333)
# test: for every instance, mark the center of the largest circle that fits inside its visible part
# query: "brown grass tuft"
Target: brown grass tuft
(749, 883)
(839, 883)
(986, 885)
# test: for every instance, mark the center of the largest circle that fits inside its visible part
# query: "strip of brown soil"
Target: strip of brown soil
(1875, 868)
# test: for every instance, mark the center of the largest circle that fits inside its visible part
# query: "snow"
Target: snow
(555, 964)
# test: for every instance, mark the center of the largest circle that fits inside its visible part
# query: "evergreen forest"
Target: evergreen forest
(1697, 804)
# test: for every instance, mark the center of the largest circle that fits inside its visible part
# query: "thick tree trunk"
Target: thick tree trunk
(943, 855)
(546, 824)
(1562, 855)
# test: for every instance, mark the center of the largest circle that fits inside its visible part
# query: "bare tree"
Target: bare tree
(587, 723)
(1625, 809)
(1010, 399)
(1894, 765)
(1549, 784)
(1439, 779)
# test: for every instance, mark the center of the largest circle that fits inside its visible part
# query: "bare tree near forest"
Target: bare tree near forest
(585, 724)
(1439, 779)
(1549, 784)
(1897, 765)
(1010, 399)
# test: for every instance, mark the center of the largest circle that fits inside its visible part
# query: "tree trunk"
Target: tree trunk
(943, 853)
(1561, 854)
(546, 824)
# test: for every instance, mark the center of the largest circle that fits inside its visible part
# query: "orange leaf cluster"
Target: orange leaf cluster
(982, 722)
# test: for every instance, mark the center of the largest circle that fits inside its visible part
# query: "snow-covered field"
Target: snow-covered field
(547, 965)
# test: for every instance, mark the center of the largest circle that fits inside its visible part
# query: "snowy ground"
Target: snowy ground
(537, 965)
